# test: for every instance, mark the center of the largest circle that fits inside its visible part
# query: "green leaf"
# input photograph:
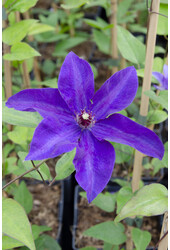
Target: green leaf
(52, 83)
(36, 230)
(130, 47)
(159, 49)
(10, 165)
(64, 167)
(48, 67)
(62, 47)
(137, 28)
(140, 238)
(164, 1)
(70, 4)
(20, 118)
(109, 231)
(108, 246)
(122, 182)
(123, 196)
(162, 98)
(45, 242)
(149, 200)
(123, 112)
(102, 40)
(98, 23)
(38, 28)
(103, 3)
(7, 149)
(156, 164)
(157, 66)
(21, 51)
(165, 158)
(162, 28)
(24, 197)
(17, 31)
(105, 201)
(27, 165)
(49, 37)
(21, 135)
(123, 152)
(15, 223)
(19, 5)
(123, 7)
(8, 243)
(88, 248)
(94, 69)
(156, 117)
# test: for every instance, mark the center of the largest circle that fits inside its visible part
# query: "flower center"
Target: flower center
(85, 119)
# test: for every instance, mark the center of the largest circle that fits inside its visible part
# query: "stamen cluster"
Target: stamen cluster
(85, 119)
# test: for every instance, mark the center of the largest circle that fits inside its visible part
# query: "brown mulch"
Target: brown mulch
(45, 206)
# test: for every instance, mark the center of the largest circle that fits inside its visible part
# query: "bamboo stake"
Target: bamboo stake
(163, 244)
(37, 71)
(123, 60)
(113, 20)
(26, 77)
(151, 39)
(7, 73)
(26, 15)
(129, 242)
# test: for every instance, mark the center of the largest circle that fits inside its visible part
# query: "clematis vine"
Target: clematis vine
(162, 78)
(75, 116)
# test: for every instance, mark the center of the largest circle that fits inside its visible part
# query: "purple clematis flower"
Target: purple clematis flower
(75, 116)
(162, 78)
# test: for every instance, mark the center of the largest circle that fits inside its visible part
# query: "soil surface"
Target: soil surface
(46, 206)
(90, 215)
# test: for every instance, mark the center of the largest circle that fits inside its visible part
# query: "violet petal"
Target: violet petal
(116, 93)
(165, 70)
(159, 77)
(158, 87)
(53, 137)
(118, 128)
(76, 83)
(94, 162)
(46, 101)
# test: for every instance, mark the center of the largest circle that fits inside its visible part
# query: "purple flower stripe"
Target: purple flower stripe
(116, 93)
(48, 102)
(94, 162)
(53, 137)
(76, 117)
(76, 83)
(118, 128)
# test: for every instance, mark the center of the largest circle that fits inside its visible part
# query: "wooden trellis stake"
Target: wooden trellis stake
(26, 77)
(36, 69)
(113, 20)
(7, 72)
(150, 48)
(163, 244)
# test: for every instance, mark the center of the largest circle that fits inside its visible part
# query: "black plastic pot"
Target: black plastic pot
(111, 188)
(68, 213)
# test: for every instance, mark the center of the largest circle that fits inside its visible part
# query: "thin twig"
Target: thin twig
(150, 10)
(51, 183)
(113, 20)
(38, 172)
(27, 172)
(157, 244)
